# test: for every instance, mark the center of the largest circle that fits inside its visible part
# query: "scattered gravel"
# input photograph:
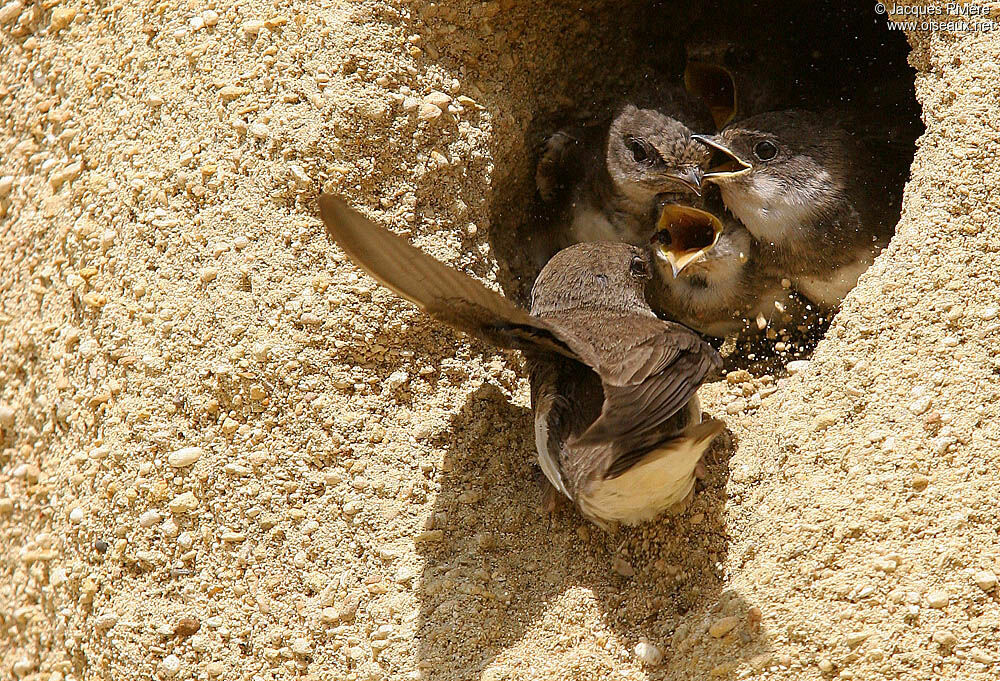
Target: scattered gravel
(227, 453)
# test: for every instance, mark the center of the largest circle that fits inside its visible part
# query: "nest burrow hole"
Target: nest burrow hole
(812, 56)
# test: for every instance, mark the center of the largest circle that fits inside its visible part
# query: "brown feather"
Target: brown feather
(442, 292)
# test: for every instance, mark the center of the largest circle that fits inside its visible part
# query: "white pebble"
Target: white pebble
(76, 516)
(184, 457)
(648, 654)
(938, 599)
(920, 405)
(736, 406)
(196, 23)
(183, 503)
(438, 99)
(252, 27)
(300, 646)
(170, 665)
(210, 17)
(149, 518)
(397, 379)
(428, 112)
(58, 576)
(259, 130)
(299, 175)
(986, 580)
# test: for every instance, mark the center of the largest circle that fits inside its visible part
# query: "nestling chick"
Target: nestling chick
(805, 188)
(737, 78)
(724, 289)
(607, 189)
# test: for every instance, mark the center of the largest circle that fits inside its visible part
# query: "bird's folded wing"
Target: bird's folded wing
(646, 384)
(444, 293)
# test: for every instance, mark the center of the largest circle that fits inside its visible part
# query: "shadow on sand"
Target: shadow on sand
(499, 563)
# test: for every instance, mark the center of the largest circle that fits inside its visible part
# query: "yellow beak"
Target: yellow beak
(684, 235)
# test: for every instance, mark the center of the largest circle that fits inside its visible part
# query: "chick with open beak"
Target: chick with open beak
(684, 235)
(737, 74)
(712, 275)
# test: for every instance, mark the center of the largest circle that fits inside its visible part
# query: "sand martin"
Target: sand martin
(606, 187)
(713, 276)
(618, 426)
(808, 190)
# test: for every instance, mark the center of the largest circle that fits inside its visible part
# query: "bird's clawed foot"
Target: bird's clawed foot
(551, 499)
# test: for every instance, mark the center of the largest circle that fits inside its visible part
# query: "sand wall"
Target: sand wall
(227, 454)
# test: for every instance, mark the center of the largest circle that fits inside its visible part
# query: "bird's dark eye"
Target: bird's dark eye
(639, 267)
(765, 150)
(641, 153)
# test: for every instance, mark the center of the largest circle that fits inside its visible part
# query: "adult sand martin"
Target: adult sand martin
(618, 425)
(811, 192)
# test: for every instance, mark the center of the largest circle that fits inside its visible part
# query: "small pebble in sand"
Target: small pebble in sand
(986, 580)
(428, 112)
(723, 626)
(648, 654)
(183, 503)
(187, 626)
(184, 457)
(945, 638)
(170, 666)
(252, 28)
(938, 598)
(10, 11)
(106, 621)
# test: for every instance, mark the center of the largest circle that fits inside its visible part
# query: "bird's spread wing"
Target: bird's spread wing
(444, 293)
(648, 374)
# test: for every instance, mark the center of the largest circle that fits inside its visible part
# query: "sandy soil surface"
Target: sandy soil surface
(227, 454)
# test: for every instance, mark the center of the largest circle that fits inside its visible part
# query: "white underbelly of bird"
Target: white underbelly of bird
(664, 478)
(829, 291)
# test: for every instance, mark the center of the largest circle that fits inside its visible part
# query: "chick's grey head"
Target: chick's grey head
(778, 171)
(650, 153)
(606, 275)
